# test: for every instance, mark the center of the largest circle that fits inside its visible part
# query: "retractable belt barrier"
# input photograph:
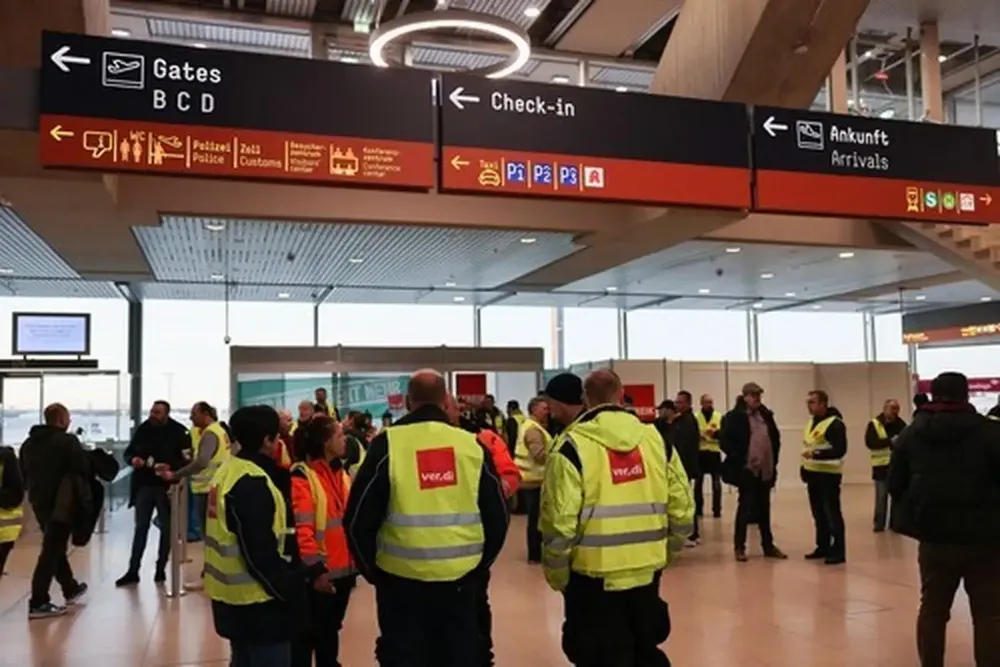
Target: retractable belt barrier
(178, 539)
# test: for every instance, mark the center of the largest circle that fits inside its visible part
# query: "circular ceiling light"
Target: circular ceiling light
(387, 33)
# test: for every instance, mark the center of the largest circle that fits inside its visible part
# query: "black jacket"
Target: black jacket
(836, 435)
(369, 501)
(161, 443)
(12, 483)
(687, 441)
(735, 442)
(249, 513)
(872, 441)
(48, 456)
(945, 477)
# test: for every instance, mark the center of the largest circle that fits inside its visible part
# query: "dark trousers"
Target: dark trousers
(260, 655)
(824, 501)
(753, 506)
(53, 562)
(696, 531)
(881, 504)
(614, 628)
(424, 624)
(942, 568)
(5, 549)
(147, 499)
(533, 500)
(326, 614)
(709, 463)
(484, 619)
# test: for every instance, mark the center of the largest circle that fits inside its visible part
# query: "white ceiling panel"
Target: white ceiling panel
(302, 9)
(443, 57)
(67, 288)
(512, 10)
(628, 77)
(218, 292)
(187, 249)
(958, 19)
(23, 254)
(231, 36)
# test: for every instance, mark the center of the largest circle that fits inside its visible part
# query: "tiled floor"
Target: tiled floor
(789, 614)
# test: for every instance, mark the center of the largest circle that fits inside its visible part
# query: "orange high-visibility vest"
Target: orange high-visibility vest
(319, 498)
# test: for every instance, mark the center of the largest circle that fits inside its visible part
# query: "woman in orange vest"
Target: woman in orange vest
(320, 487)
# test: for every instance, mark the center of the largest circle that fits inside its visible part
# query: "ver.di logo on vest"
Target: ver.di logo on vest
(626, 466)
(436, 468)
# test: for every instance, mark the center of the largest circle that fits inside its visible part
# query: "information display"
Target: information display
(508, 137)
(122, 105)
(50, 334)
(829, 164)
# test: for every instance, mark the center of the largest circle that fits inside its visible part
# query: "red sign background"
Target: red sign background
(643, 399)
(473, 169)
(861, 197)
(470, 386)
(160, 148)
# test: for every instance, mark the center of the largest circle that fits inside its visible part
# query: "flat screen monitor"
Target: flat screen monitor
(51, 334)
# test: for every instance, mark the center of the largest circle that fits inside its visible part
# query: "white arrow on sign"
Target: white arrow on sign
(772, 127)
(459, 99)
(63, 60)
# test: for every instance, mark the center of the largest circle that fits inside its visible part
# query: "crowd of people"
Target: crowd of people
(293, 509)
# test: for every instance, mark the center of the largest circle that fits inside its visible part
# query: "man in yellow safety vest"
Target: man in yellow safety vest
(709, 456)
(11, 500)
(613, 508)
(530, 453)
(880, 435)
(824, 446)
(425, 520)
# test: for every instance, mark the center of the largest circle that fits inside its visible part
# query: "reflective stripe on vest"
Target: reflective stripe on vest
(814, 440)
(227, 578)
(880, 457)
(709, 443)
(11, 520)
(320, 509)
(623, 523)
(532, 472)
(432, 530)
(201, 481)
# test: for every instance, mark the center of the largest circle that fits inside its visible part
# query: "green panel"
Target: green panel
(349, 392)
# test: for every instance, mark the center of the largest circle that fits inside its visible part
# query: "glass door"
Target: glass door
(21, 405)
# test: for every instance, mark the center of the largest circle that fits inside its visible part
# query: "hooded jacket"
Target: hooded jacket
(944, 477)
(49, 455)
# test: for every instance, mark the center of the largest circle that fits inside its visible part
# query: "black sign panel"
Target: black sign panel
(559, 140)
(833, 164)
(95, 77)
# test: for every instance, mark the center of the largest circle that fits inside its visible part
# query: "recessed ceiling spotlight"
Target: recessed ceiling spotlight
(984, 299)
(789, 294)
(733, 250)
(817, 307)
(846, 255)
(459, 299)
(612, 288)
(199, 45)
(356, 260)
(450, 283)
(704, 290)
(869, 54)
(121, 32)
(621, 89)
(528, 239)
(215, 226)
(284, 295)
(532, 12)
(218, 276)
(920, 297)
(942, 58)
(766, 276)
(6, 270)
(560, 78)
(758, 304)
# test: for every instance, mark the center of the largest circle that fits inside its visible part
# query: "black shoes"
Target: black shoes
(77, 595)
(816, 555)
(835, 560)
(47, 610)
(161, 576)
(774, 553)
(130, 579)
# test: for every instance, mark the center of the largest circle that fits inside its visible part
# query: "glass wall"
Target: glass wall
(818, 337)
(590, 334)
(518, 326)
(381, 325)
(688, 335)
(889, 338)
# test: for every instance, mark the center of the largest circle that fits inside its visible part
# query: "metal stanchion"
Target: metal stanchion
(177, 540)
(102, 519)
(185, 516)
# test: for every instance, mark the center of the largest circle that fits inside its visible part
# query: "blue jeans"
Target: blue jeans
(148, 499)
(260, 655)
(881, 503)
(197, 509)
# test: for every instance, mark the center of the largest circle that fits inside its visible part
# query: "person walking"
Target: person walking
(320, 487)
(823, 451)
(50, 456)
(530, 453)
(11, 501)
(687, 443)
(752, 444)
(158, 441)
(610, 503)
(709, 456)
(944, 479)
(880, 435)
(425, 520)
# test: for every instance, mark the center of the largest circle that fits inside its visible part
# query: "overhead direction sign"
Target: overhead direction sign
(122, 105)
(507, 137)
(830, 164)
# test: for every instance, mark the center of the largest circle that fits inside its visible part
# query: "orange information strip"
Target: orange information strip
(158, 148)
(867, 197)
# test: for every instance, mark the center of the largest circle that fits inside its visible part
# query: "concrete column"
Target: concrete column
(753, 337)
(837, 91)
(622, 333)
(477, 326)
(559, 335)
(930, 72)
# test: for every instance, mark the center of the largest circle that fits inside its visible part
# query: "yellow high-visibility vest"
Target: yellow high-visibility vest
(201, 481)
(432, 530)
(532, 472)
(227, 578)
(623, 522)
(11, 521)
(814, 440)
(709, 443)
(880, 457)
(994, 418)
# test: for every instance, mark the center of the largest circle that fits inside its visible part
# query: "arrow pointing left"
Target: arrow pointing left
(457, 162)
(58, 133)
(63, 60)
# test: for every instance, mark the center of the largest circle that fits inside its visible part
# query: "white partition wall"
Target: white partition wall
(705, 378)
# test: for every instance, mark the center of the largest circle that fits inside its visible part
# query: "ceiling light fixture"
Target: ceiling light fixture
(284, 295)
(527, 240)
(846, 255)
(6, 270)
(121, 32)
(560, 78)
(612, 288)
(621, 89)
(704, 290)
(215, 225)
(199, 45)
(218, 276)
(733, 250)
(459, 299)
(758, 304)
(920, 297)
(942, 58)
(389, 32)
(450, 283)
(356, 260)
(984, 299)
(817, 307)
(766, 276)
(532, 12)
(789, 294)
(350, 60)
